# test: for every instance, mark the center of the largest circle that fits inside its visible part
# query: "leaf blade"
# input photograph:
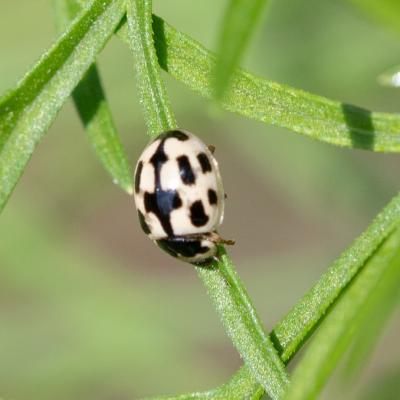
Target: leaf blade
(375, 314)
(92, 106)
(27, 111)
(294, 329)
(304, 113)
(243, 325)
(239, 22)
(290, 333)
(95, 114)
(335, 335)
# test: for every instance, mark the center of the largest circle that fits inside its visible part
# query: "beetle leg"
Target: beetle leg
(214, 237)
(211, 148)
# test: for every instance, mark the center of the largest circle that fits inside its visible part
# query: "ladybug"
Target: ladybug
(179, 196)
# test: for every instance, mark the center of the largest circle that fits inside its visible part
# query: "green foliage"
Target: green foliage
(361, 283)
(339, 328)
(371, 319)
(307, 313)
(96, 116)
(314, 116)
(28, 110)
(241, 387)
(239, 22)
(94, 111)
(243, 325)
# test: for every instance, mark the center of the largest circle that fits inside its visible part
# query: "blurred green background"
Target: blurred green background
(91, 309)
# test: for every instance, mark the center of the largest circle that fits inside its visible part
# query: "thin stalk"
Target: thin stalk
(243, 325)
(156, 106)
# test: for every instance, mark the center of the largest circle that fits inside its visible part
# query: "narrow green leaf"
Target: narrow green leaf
(239, 23)
(243, 325)
(156, 107)
(96, 116)
(305, 316)
(290, 334)
(373, 318)
(94, 111)
(253, 97)
(27, 111)
(335, 335)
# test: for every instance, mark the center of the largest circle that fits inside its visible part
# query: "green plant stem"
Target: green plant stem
(155, 103)
(222, 283)
(243, 325)
(242, 387)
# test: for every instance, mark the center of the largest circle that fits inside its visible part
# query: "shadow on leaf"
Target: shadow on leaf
(360, 125)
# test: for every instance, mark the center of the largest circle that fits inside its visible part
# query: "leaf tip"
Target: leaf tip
(125, 184)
